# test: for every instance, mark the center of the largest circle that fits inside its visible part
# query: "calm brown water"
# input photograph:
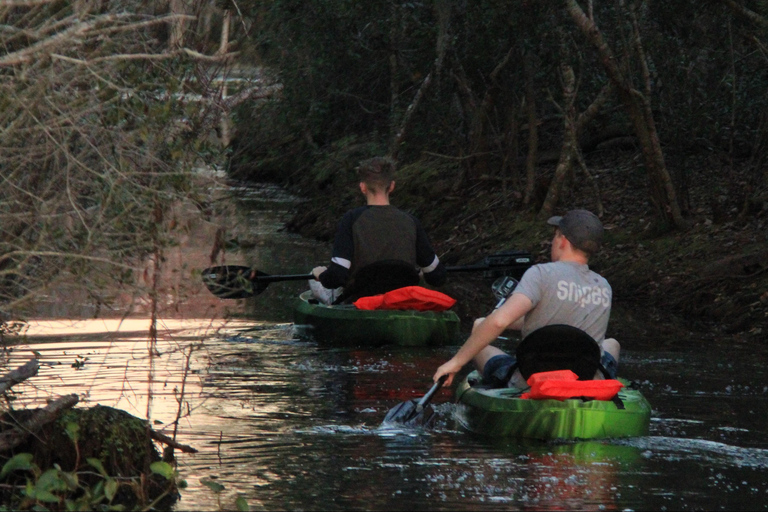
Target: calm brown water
(289, 425)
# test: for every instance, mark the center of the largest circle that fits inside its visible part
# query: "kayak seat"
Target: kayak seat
(379, 277)
(559, 347)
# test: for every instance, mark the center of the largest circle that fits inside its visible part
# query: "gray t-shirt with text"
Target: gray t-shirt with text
(566, 293)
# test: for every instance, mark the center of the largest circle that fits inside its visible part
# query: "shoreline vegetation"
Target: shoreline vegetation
(654, 115)
(651, 115)
(710, 278)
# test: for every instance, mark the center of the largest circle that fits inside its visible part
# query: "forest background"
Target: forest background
(653, 114)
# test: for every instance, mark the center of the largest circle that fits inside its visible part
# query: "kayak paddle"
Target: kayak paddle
(239, 282)
(414, 413)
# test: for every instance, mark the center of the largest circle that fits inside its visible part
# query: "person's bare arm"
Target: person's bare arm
(484, 333)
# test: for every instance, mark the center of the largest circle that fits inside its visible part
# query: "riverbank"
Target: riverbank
(712, 277)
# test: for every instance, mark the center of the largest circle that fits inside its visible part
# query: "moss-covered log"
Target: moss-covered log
(99, 455)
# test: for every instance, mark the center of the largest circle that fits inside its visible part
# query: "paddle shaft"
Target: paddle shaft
(428, 397)
(301, 277)
(227, 281)
(411, 412)
(287, 277)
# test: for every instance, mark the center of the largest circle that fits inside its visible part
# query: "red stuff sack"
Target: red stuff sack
(562, 385)
(409, 297)
(369, 303)
(538, 378)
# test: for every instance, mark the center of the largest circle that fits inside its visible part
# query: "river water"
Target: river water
(289, 425)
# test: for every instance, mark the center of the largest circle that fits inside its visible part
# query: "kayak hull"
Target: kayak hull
(345, 325)
(499, 413)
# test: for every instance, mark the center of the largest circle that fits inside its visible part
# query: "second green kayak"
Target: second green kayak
(345, 325)
(500, 413)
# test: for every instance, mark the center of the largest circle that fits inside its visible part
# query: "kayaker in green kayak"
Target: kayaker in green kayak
(564, 291)
(378, 247)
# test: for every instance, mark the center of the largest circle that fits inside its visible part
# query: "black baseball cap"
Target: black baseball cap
(582, 228)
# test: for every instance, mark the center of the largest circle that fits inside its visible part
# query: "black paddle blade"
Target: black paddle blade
(232, 282)
(415, 413)
(407, 414)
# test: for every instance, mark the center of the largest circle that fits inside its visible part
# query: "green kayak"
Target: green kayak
(345, 325)
(499, 413)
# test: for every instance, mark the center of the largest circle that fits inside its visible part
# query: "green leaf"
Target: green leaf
(96, 463)
(110, 489)
(71, 480)
(44, 496)
(163, 469)
(51, 481)
(214, 486)
(241, 504)
(97, 492)
(73, 431)
(21, 461)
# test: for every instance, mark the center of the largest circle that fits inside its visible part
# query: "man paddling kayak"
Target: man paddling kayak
(564, 291)
(385, 243)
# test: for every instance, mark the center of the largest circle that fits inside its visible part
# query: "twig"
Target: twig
(162, 438)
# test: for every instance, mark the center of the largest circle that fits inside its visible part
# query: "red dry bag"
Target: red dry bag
(410, 297)
(563, 384)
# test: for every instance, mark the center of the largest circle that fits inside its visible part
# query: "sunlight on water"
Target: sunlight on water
(290, 425)
(111, 362)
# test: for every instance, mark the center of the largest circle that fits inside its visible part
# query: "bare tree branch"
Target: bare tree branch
(24, 3)
(20, 374)
(746, 13)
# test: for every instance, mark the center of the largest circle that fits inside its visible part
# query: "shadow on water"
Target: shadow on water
(289, 425)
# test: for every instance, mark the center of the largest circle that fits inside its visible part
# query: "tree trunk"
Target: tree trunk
(177, 28)
(638, 108)
(509, 168)
(478, 132)
(533, 131)
(747, 13)
(440, 50)
(571, 150)
(570, 143)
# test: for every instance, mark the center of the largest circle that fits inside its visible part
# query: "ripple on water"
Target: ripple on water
(702, 450)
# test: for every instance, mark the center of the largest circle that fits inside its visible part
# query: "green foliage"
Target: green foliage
(351, 69)
(19, 462)
(80, 489)
(163, 469)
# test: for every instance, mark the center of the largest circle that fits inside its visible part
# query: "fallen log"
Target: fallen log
(17, 435)
(20, 374)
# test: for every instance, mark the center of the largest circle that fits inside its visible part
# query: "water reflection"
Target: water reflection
(289, 425)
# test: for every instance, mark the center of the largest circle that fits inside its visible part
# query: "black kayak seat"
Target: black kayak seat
(559, 347)
(380, 277)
